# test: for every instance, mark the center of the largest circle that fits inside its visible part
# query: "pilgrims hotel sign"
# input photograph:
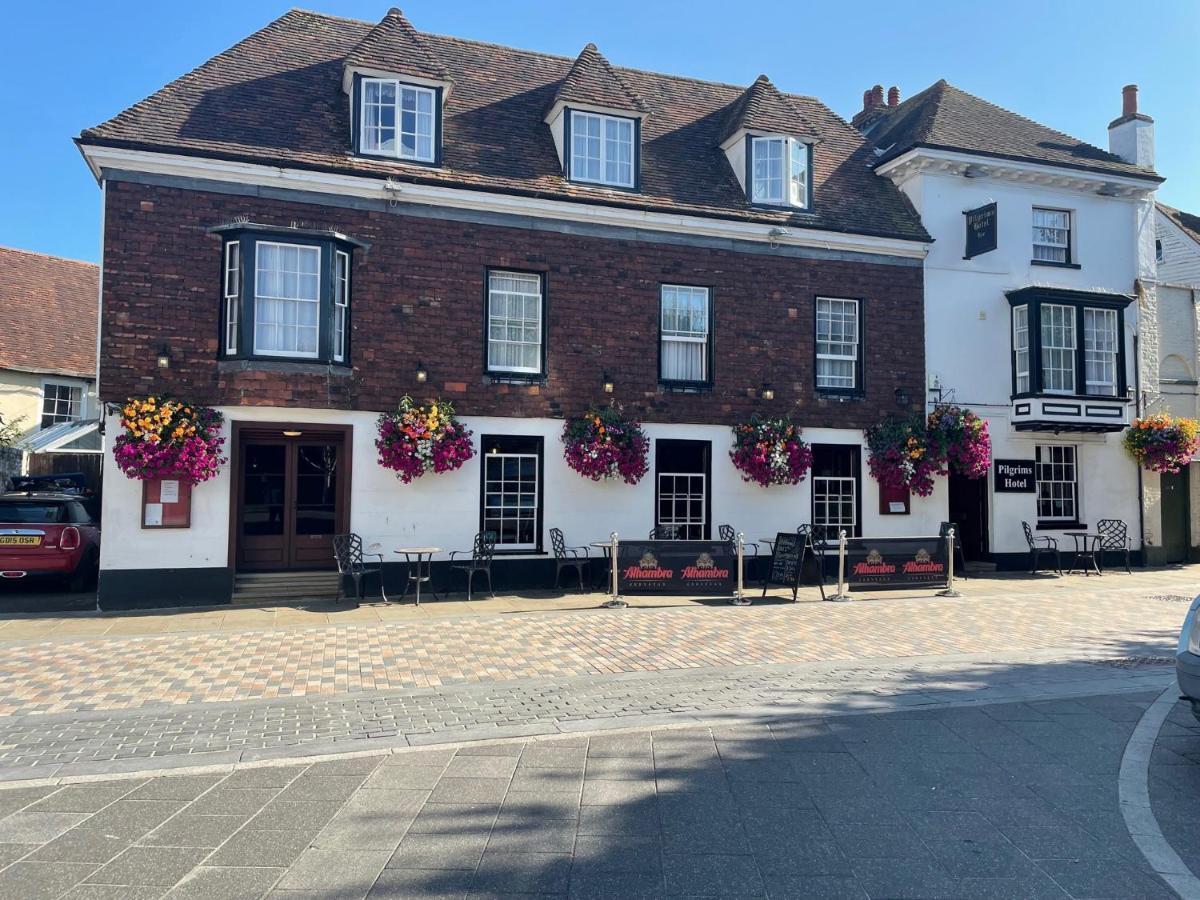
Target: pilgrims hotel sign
(981, 230)
(1014, 476)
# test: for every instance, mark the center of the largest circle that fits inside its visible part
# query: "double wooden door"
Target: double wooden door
(291, 502)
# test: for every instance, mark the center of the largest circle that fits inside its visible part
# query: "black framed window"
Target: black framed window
(1051, 236)
(837, 488)
(61, 403)
(685, 345)
(516, 323)
(1057, 483)
(839, 345)
(683, 488)
(778, 171)
(285, 297)
(510, 499)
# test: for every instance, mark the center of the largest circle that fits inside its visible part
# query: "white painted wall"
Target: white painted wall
(21, 396)
(1180, 263)
(443, 510)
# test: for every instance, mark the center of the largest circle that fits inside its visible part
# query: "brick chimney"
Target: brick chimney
(1131, 136)
(874, 109)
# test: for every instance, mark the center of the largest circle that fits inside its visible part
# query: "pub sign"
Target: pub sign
(981, 230)
(1014, 476)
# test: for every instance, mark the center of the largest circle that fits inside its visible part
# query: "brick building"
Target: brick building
(333, 214)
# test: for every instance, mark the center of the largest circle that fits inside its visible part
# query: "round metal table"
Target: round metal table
(424, 569)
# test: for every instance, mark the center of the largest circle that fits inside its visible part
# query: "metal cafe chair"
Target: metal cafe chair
(565, 557)
(664, 533)
(960, 559)
(1039, 545)
(729, 535)
(348, 553)
(1114, 536)
(477, 559)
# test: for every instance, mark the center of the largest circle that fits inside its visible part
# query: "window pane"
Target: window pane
(1057, 483)
(684, 331)
(510, 502)
(837, 343)
(514, 322)
(1051, 235)
(1021, 347)
(1058, 348)
(1100, 351)
(287, 299)
(602, 149)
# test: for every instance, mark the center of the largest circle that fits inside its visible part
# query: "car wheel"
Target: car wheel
(81, 578)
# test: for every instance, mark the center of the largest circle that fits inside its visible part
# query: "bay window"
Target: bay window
(779, 171)
(287, 299)
(685, 335)
(515, 324)
(839, 340)
(398, 119)
(1100, 351)
(1058, 349)
(1021, 348)
(603, 149)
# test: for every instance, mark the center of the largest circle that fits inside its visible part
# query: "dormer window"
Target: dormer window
(603, 149)
(398, 120)
(779, 171)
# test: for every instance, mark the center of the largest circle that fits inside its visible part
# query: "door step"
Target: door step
(259, 588)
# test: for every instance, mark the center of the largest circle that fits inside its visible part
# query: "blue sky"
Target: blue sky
(65, 66)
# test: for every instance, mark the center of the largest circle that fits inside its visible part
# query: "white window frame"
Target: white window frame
(694, 489)
(676, 335)
(823, 381)
(488, 460)
(293, 354)
(374, 148)
(503, 321)
(74, 401)
(341, 304)
(232, 290)
(835, 490)
(1105, 354)
(792, 183)
(1050, 462)
(581, 118)
(1069, 346)
(1020, 337)
(1047, 247)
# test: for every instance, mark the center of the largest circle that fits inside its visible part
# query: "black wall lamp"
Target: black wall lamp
(767, 392)
(608, 383)
(422, 374)
(902, 398)
(163, 360)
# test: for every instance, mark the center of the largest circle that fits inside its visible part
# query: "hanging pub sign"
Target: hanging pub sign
(896, 562)
(1014, 476)
(676, 567)
(981, 230)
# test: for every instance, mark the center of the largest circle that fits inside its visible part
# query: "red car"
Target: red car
(48, 535)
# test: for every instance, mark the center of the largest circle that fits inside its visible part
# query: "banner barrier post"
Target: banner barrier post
(842, 595)
(740, 598)
(617, 601)
(949, 591)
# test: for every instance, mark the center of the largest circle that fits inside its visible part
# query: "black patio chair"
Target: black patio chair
(565, 557)
(348, 553)
(727, 533)
(477, 559)
(960, 559)
(1039, 545)
(1114, 536)
(664, 533)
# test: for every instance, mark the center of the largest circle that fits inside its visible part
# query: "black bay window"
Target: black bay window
(1067, 343)
(286, 296)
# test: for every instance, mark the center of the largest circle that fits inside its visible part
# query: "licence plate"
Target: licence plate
(20, 540)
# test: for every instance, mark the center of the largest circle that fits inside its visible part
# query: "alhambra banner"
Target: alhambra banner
(676, 567)
(896, 562)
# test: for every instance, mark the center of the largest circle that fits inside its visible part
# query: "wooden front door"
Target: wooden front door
(291, 501)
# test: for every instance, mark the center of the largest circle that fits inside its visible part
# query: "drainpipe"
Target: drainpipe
(1137, 401)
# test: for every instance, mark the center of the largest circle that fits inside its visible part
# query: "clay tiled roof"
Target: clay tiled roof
(946, 118)
(761, 107)
(395, 47)
(48, 313)
(1188, 223)
(276, 98)
(593, 80)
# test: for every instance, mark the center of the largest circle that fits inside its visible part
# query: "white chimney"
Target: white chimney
(1131, 137)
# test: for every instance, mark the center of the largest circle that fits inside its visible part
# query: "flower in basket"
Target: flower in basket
(769, 451)
(900, 455)
(959, 441)
(417, 439)
(602, 443)
(166, 438)
(1163, 443)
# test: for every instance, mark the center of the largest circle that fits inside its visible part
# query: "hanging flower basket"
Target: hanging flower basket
(417, 439)
(602, 443)
(1163, 443)
(959, 441)
(769, 451)
(900, 455)
(166, 438)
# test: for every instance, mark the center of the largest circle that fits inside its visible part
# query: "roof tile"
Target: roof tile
(592, 80)
(48, 308)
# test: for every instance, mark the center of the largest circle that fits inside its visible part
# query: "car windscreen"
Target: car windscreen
(28, 512)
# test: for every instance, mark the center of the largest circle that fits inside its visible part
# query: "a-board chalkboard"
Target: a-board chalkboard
(787, 561)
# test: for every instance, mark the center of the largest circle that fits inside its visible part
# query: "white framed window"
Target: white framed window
(836, 473)
(1100, 338)
(838, 337)
(398, 120)
(287, 299)
(510, 499)
(1021, 348)
(1058, 348)
(514, 322)
(232, 289)
(602, 149)
(684, 332)
(341, 303)
(1057, 483)
(779, 171)
(61, 403)
(1051, 235)
(681, 503)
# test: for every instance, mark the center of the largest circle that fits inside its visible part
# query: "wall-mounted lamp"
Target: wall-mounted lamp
(292, 432)
(163, 360)
(608, 383)
(902, 398)
(767, 392)
(422, 374)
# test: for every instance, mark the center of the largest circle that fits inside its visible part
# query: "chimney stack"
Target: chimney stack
(1131, 137)
(874, 108)
(893, 96)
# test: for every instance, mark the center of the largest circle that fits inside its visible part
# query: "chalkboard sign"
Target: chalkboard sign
(787, 562)
(981, 230)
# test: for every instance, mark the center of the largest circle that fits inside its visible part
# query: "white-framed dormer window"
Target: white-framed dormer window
(341, 303)
(287, 299)
(232, 291)
(602, 149)
(779, 171)
(61, 402)
(1051, 235)
(398, 120)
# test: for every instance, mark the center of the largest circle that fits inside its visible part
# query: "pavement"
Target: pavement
(1175, 784)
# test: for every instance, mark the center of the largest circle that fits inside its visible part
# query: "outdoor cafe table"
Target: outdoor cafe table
(424, 567)
(1087, 549)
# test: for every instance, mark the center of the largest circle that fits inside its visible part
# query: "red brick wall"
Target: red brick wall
(417, 293)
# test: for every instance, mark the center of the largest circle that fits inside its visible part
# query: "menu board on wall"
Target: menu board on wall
(166, 503)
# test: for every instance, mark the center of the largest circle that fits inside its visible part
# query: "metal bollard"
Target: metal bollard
(740, 598)
(950, 590)
(617, 601)
(842, 595)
